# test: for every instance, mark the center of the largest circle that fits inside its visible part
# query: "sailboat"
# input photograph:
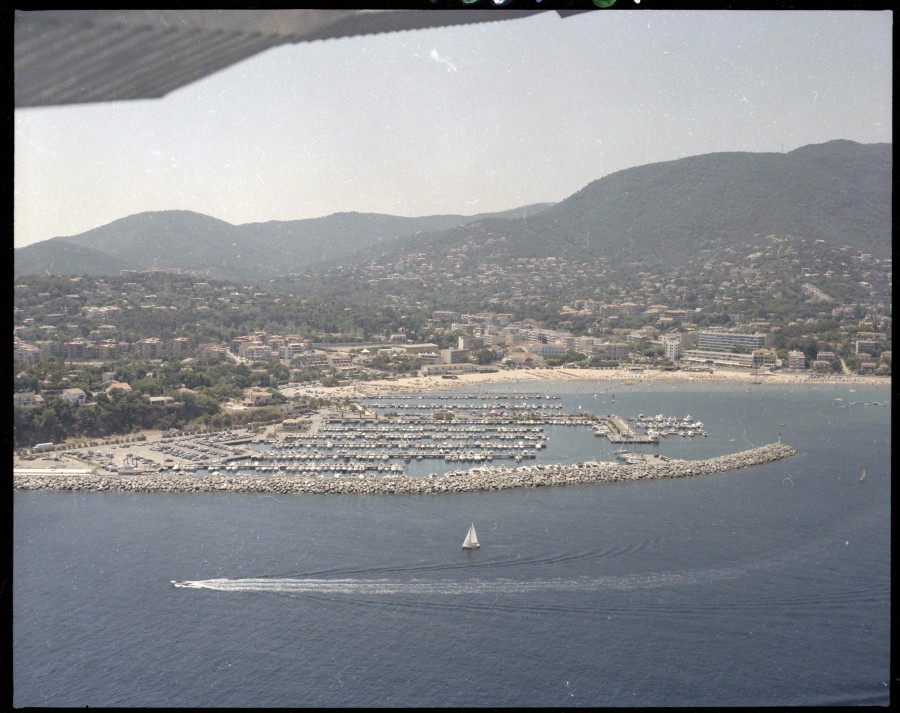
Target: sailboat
(471, 541)
(862, 474)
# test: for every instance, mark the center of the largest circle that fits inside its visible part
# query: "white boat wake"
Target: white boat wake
(415, 586)
(447, 587)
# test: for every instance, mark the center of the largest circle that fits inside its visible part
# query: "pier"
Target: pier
(619, 431)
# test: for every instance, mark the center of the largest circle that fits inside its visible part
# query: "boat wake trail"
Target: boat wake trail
(773, 562)
(440, 587)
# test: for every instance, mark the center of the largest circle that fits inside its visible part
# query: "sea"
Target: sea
(767, 586)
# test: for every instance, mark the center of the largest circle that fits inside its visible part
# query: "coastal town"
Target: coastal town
(508, 354)
(367, 434)
(106, 360)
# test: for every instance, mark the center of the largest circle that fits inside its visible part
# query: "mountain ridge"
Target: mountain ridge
(661, 213)
(202, 242)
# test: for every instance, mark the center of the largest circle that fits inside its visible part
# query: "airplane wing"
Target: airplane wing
(82, 56)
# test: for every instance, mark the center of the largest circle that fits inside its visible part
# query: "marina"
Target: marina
(392, 435)
(453, 445)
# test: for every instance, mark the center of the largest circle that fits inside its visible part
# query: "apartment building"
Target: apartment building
(549, 349)
(454, 356)
(215, 351)
(76, 349)
(726, 341)
(150, 347)
(866, 346)
(469, 343)
(178, 345)
(613, 351)
(27, 353)
(291, 349)
(796, 359)
(756, 359)
(255, 351)
(672, 345)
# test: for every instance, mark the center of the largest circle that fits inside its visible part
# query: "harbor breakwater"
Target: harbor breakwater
(472, 480)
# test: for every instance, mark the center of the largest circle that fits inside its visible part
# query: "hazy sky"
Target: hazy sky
(459, 120)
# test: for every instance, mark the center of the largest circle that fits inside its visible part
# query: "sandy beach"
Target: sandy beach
(625, 377)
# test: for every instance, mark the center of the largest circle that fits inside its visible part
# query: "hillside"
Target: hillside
(664, 214)
(657, 216)
(62, 257)
(839, 192)
(189, 241)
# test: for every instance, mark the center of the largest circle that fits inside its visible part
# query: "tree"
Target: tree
(25, 380)
(485, 356)
(26, 426)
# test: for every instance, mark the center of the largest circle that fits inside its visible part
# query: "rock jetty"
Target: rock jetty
(472, 480)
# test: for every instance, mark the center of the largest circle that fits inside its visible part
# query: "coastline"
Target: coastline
(367, 389)
(618, 378)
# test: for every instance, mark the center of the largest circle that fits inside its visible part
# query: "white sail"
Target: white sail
(471, 541)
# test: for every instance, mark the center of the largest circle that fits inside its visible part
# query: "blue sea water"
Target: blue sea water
(760, 587)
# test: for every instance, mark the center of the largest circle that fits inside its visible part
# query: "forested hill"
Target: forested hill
(664, 214)
(839, 192)
(180, 239)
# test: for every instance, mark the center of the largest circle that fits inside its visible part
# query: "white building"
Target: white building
(614, 351)
(726, 341)
(74, 396)
(290, 350)
(441, 369)
(672, 345)
(796, 359)
(549, 349)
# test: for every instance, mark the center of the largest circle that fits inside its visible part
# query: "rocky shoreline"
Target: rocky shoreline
(472, 480)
